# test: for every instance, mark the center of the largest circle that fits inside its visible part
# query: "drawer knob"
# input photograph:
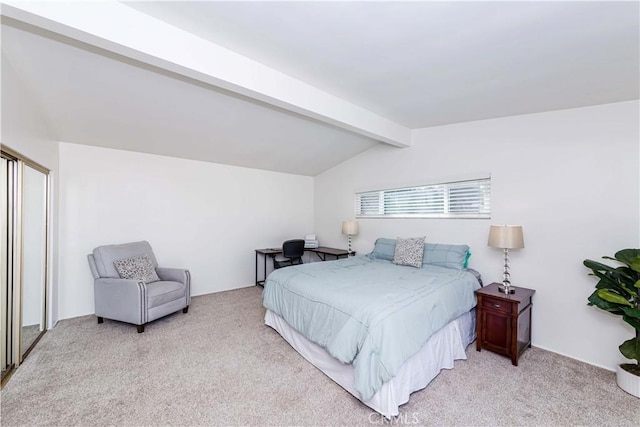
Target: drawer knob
(496, 305)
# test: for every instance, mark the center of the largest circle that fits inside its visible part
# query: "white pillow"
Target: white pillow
(409, 251)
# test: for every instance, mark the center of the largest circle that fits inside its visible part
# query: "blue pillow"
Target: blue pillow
(448, 256)
(384, 249)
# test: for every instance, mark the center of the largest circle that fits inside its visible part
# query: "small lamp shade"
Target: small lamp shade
(506, 237)
(350, 228)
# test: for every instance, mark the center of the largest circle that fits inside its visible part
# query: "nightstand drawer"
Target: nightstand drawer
(496, 304)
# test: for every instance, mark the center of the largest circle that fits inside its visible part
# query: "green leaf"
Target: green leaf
(631, 349)
(613, 297)
(606, 278)
(631, 312)
(637, 284)
(629, 291)
(626, 274)
(597, 266)
(618, 279)
(630, 257)
(633, 321)
(594, 299)
(608, 284)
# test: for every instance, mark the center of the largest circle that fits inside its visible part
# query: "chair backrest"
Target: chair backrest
(293, 248)
(104, 256)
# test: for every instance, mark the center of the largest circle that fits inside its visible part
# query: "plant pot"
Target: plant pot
(628, 381)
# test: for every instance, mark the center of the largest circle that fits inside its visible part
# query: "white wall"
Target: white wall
(25, 130)
(206, 217)
(569, 177)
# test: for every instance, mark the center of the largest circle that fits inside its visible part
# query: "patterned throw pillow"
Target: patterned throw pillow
(409, 251)
(137, 268)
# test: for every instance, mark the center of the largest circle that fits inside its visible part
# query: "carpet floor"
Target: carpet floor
(220, 365)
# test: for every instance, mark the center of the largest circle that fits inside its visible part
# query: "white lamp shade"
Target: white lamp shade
(350, 227)
(506, 237)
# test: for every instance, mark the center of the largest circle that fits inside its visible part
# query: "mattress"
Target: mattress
(439, 352)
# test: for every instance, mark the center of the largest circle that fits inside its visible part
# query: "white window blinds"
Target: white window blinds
(460, 199)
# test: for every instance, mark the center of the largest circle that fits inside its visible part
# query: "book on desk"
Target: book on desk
(310, 241)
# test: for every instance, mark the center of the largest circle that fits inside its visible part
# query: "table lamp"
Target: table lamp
(350, 228)
(506, 237)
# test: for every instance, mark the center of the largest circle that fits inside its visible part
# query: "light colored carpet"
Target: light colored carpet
(220, 365)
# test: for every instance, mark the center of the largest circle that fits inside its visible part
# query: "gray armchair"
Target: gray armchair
(131, 300)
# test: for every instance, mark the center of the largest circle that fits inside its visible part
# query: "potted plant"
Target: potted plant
(617, 292)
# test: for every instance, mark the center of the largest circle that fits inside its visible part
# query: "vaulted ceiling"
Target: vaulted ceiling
(299, 87)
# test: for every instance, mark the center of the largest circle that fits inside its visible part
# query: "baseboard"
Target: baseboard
(575, 358)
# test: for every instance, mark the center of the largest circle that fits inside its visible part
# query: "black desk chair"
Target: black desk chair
(292, 251)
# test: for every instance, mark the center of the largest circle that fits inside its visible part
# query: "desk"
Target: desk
(321, 251)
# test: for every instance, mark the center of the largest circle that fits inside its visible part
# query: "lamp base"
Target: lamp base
(507, 289)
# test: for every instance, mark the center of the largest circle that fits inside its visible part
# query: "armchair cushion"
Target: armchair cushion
(162, 292)
(138, 268)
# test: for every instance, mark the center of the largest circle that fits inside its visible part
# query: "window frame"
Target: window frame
(397, 202)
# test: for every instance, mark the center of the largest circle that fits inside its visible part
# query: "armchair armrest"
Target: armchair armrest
(173, 274)
(176, 275)
(93, 267)
(121, 299)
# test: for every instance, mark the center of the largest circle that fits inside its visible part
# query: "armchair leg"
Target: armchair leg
(140, 329)
(186, 309)
(100, 319)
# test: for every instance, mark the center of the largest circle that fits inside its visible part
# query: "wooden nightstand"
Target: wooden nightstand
(504, 321)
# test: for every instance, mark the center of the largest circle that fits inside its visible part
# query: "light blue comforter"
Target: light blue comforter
(371, 313)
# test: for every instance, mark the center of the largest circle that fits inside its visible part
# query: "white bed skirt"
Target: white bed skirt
(442, 349)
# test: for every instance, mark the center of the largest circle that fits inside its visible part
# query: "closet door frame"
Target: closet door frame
(19, 354)
(8, 269)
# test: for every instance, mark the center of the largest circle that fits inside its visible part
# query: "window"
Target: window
(461, 199)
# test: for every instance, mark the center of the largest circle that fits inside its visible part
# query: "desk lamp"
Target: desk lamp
(350, 228)
(506, 237)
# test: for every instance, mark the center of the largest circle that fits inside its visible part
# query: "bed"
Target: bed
(378, 329)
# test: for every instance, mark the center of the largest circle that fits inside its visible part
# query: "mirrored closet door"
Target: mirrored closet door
(34, 251)
(25, 213)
